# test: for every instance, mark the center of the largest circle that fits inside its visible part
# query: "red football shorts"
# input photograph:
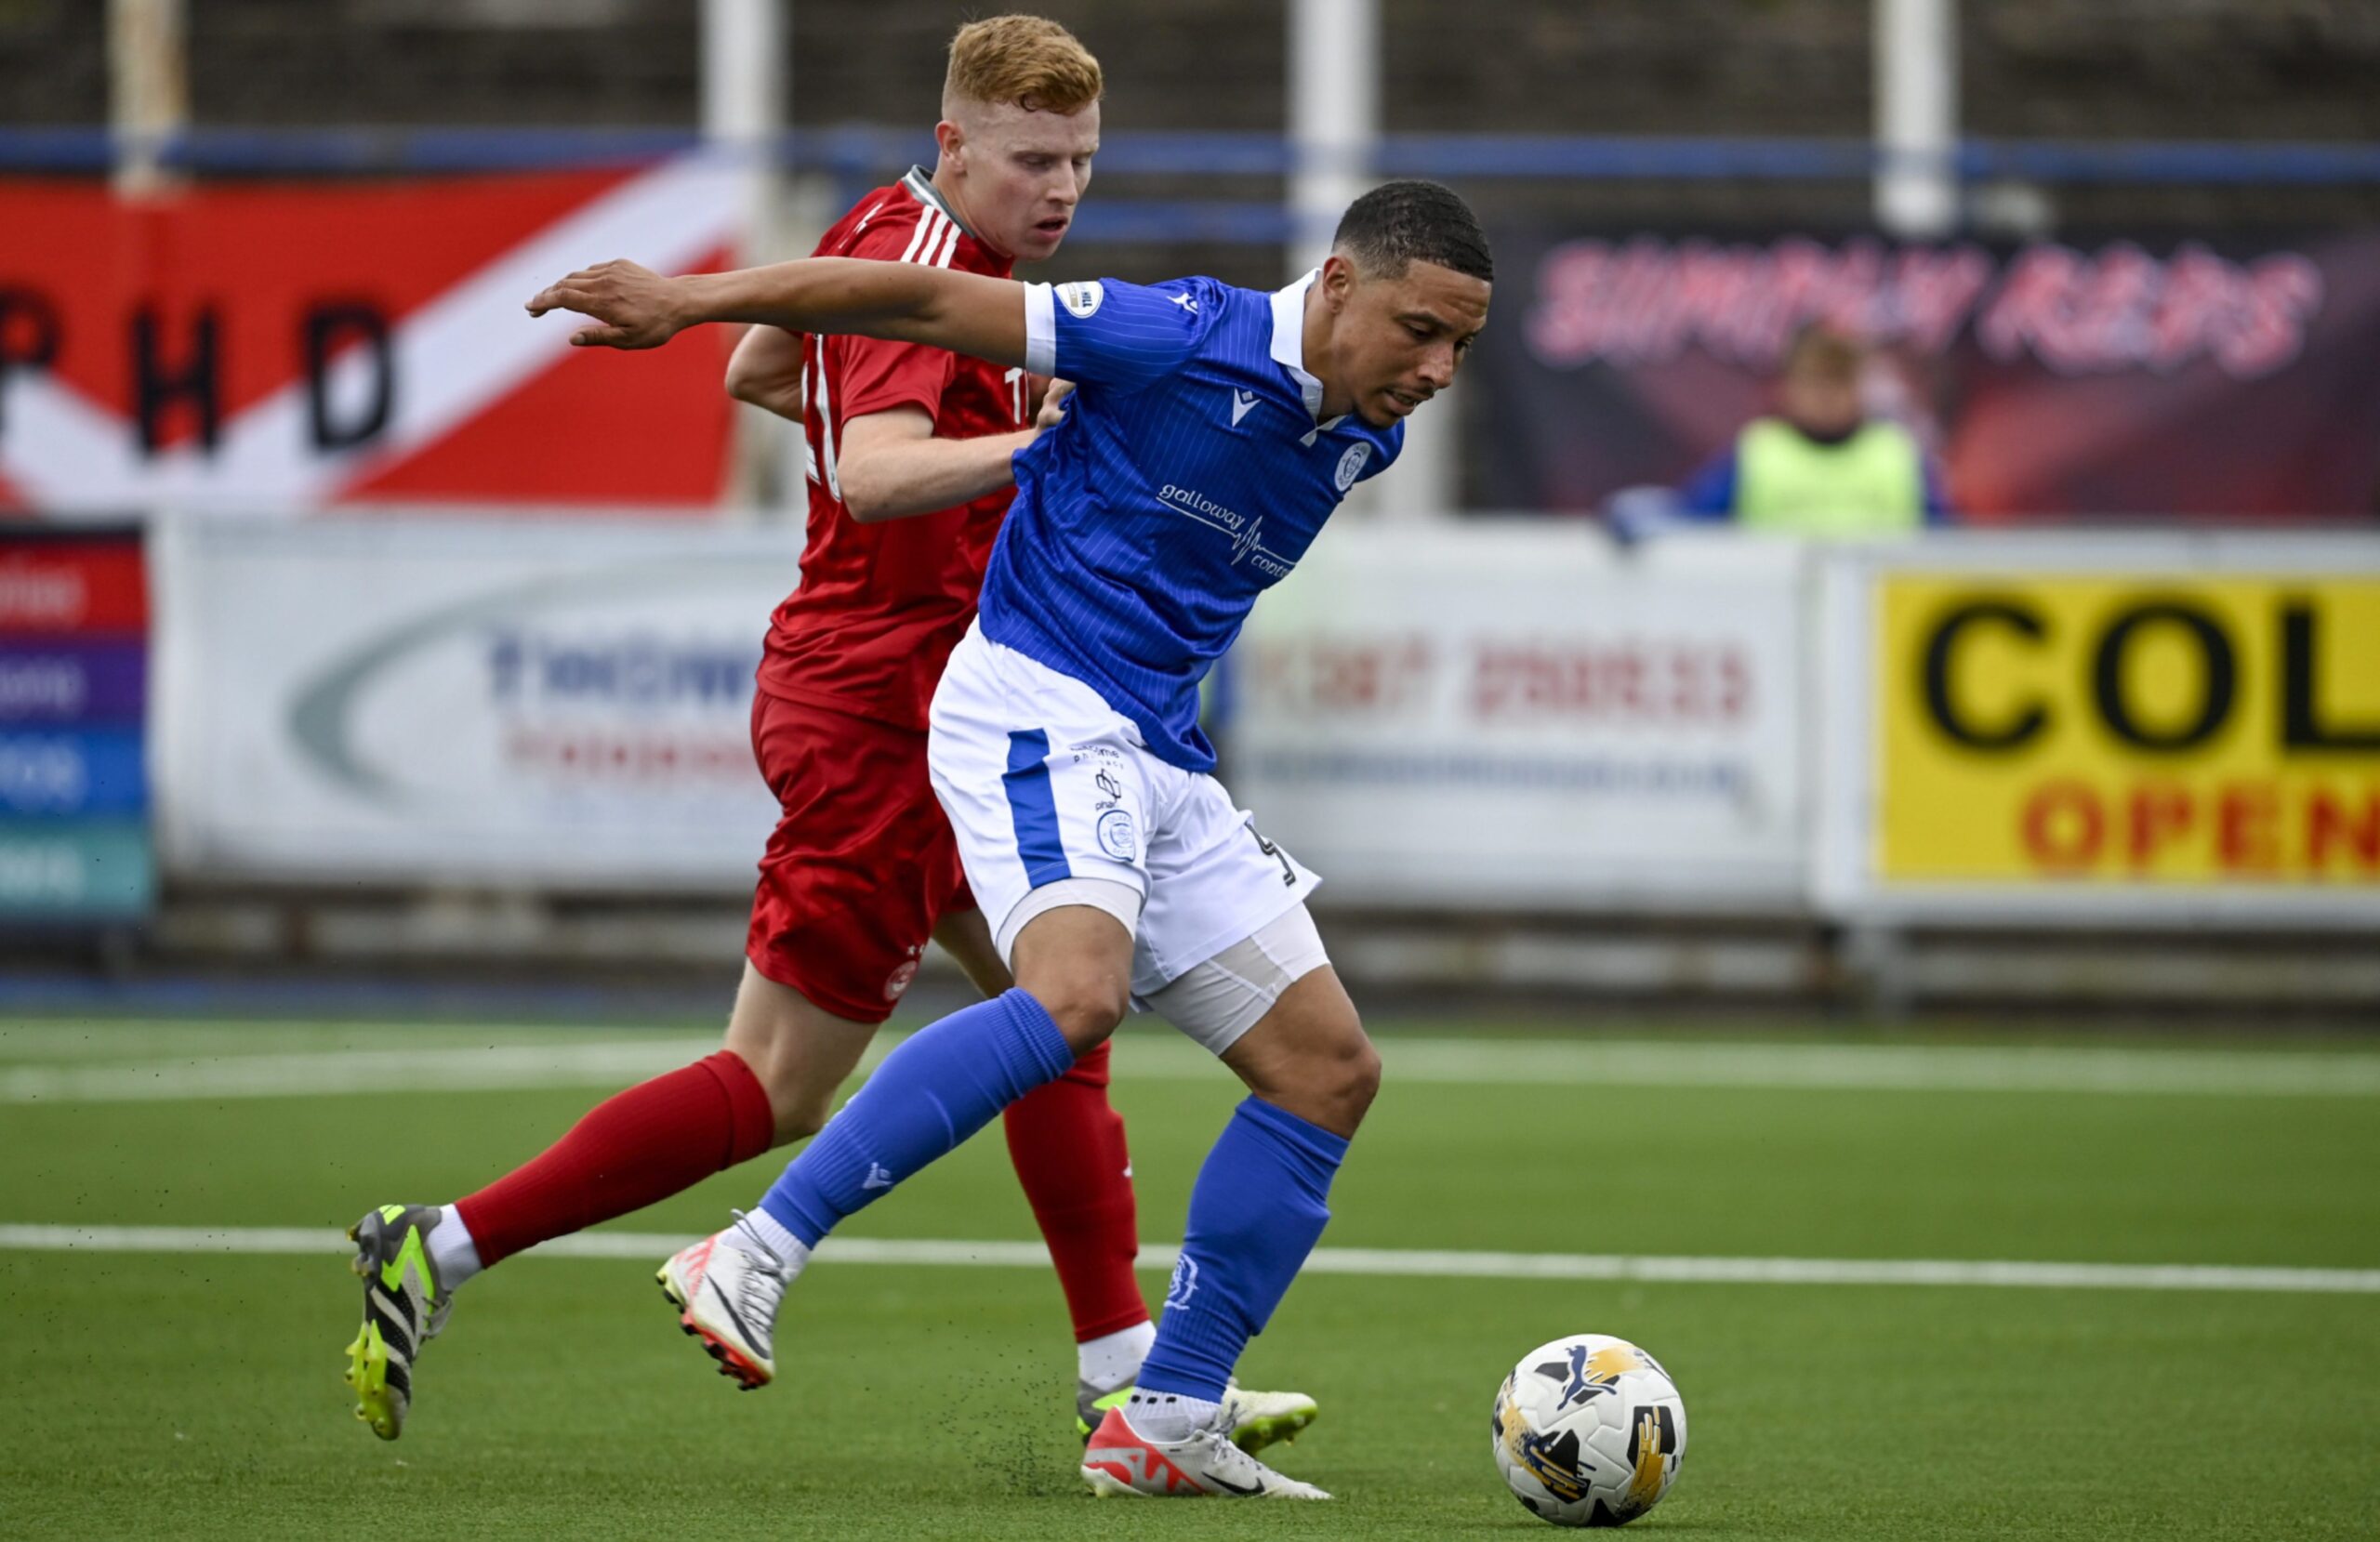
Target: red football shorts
(862, 862)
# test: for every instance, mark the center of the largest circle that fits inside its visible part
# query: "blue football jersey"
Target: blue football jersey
(1191, 473)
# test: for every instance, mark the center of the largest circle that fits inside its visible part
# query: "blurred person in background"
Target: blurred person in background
(1821, 465)
(908, 451)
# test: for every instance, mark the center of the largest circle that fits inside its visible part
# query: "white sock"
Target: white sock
(791, 1250)
(1165, 1417)
(454, 1256)
(1113, 1358)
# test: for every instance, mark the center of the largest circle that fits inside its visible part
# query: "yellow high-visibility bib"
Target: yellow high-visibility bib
(1873, 483)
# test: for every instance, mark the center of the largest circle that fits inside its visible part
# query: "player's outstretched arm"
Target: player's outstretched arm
(633, 307)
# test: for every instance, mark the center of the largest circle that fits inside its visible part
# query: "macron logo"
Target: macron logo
(1240, 404)
(878, 1177)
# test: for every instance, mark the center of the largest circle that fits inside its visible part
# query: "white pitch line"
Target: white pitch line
(1392, 1262)
(1145, 1056)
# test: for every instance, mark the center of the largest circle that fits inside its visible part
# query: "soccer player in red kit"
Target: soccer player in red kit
(906, 452)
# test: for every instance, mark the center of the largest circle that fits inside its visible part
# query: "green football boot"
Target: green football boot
(403, 1308)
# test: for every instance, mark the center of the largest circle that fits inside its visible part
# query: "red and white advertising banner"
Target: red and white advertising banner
(281, 348)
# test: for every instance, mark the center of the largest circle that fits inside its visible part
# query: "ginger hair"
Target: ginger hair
(1024, 61)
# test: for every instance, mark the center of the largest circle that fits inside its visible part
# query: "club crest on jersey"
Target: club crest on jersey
(1117, 836)
(1082, 299)
(1350, 466)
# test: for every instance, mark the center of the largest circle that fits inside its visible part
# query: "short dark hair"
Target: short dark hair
(1824, 352)
(1400, 223)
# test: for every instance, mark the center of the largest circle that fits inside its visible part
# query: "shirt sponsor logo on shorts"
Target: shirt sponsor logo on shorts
(1082, 299)
(1117, 836)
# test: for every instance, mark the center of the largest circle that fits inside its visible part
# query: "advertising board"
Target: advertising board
(1512, 715)
(2137, 727)
(517, 703)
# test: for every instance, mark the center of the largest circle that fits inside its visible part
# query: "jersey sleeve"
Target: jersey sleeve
(878, 376)
(872, 374)
(1125, 337)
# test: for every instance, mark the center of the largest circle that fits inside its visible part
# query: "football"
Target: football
(1589, 1430)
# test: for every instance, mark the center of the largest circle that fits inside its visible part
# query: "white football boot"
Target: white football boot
(1118, 1463)
(727, 1289)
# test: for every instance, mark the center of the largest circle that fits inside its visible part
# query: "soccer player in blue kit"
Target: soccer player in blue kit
(1211, 432)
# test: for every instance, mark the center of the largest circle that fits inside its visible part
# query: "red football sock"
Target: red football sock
(1067, 1142)
(657, 1139)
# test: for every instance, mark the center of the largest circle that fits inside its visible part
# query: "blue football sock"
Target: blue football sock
(944, 1084)
(1260, 1202)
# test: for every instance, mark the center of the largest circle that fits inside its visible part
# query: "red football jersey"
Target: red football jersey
(881, 606)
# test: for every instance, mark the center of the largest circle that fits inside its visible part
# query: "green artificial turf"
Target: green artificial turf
(199, 1394)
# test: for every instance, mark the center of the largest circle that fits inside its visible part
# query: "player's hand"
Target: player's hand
(633, 306)
(1053, 404)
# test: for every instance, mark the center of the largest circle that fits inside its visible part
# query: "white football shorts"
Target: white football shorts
(1045, 785)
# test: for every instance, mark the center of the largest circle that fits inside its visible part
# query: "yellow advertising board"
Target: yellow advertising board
(2168, 730)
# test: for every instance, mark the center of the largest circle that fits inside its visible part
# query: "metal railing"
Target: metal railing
(859, 155)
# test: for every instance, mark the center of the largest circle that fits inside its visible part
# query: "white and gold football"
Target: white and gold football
(1590, 1432)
